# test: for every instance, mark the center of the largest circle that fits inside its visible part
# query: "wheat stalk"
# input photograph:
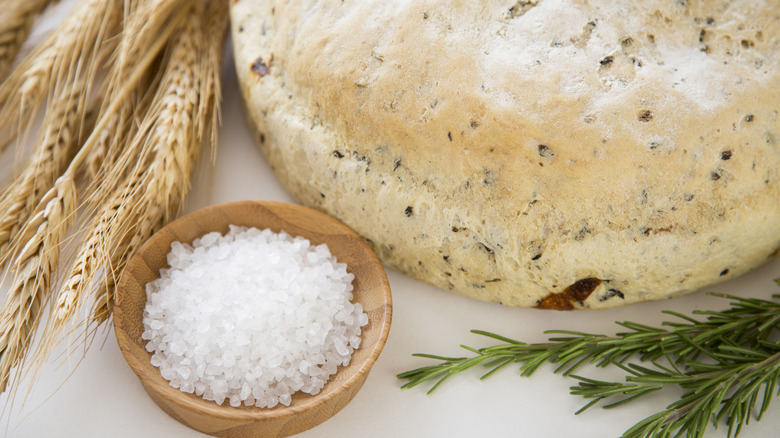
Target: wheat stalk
(36, 208)
(89, 260)
(16, 21)
(148, 27)
(180, 125)
(107, 249)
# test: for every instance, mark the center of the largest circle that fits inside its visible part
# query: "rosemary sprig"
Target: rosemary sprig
(727, 362)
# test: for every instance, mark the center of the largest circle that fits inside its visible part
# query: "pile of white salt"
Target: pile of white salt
(252, 317)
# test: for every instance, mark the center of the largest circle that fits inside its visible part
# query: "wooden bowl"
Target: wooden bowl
(371, 289)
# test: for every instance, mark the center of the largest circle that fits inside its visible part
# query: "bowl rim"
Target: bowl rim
(225, 411)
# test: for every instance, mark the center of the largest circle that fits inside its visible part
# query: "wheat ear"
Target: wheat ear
(36, 208)
(94, 160)
(149, 25)
(216, 31)
(170, 145)
(33, 267)
(109, 156)
(147, 28)
(105, 245)
(16, 21)
(116, 259)
(72, 50)
(55, 151)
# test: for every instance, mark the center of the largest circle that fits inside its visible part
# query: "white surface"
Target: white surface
(102, 397)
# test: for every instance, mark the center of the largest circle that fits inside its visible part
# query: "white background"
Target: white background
(102, 397)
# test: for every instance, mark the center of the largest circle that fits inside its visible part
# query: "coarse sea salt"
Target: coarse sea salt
(251, 317)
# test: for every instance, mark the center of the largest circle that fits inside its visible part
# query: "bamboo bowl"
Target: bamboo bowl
(371, 289)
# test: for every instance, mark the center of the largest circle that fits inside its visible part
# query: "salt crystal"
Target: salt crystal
(246, 391)
(184, 372)
(251, 317)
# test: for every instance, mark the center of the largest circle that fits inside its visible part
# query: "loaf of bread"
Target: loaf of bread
(560, 154)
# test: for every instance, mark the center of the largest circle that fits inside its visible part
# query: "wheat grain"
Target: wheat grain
(105, 138)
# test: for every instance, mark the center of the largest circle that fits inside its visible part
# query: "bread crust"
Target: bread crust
(554, 154)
